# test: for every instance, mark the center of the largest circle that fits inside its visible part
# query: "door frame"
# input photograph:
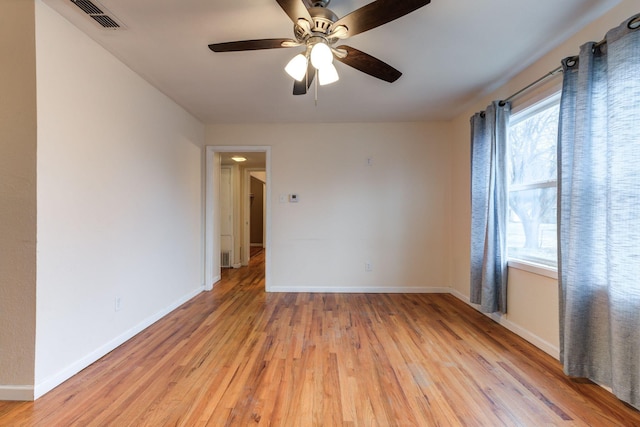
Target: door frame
(212, 210)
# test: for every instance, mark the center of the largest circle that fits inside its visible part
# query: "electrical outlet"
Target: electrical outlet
(368, 266)
(117, 304)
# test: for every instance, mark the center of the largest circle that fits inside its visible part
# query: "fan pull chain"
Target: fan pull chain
(316, 90)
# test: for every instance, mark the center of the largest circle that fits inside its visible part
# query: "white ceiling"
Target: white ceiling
(450, 52)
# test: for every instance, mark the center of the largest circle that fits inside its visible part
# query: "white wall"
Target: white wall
(17, 198)
(533, 298)
(119, 202)
(394, 213)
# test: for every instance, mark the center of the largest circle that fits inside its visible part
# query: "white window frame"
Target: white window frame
(519, 116)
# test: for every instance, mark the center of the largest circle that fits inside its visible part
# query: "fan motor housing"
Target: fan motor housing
(320, 3)
(322, 20)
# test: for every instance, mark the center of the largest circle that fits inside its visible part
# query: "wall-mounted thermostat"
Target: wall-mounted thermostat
(293, 198)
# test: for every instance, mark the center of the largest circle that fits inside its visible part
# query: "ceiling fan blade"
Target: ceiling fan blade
(368, 64)
(252, 45)
(296, 9)
(301, 87)
(378, 13)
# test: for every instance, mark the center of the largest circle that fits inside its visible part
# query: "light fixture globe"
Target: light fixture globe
(297, 67)
(321, 55)
(328, 75)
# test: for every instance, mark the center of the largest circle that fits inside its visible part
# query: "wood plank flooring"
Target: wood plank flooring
(238, 356)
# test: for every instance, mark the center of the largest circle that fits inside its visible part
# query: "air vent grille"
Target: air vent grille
(98, 14)
(225, 259)
(105, 21)
(88, 7)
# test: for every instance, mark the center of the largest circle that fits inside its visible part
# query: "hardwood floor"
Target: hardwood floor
(239, 356)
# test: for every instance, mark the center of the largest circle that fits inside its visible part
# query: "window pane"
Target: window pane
(532, 156)
(531, 226)
(532, 147)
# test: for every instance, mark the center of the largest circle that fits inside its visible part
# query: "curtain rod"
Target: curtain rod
(633, 24)
(530, 85)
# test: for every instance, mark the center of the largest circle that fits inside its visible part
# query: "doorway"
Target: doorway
(258, 159)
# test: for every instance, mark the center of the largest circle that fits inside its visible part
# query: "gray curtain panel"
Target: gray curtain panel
(599, 213)
(489, 208)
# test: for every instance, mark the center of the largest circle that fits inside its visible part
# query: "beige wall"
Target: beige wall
(120, 212)
(533, 298)
(394, 214)
(17, 197)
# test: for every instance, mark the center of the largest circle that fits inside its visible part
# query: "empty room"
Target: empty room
(319, 213)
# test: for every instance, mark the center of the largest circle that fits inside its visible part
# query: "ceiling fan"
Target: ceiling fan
(317, 29)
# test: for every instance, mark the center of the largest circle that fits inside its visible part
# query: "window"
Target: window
(532, 173)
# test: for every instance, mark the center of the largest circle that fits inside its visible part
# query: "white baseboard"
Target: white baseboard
(55, 380)
(359, 290)
(542, 344)
(16, 392)
(214, 280)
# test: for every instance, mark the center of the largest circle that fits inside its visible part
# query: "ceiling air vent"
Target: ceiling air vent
(98, 14)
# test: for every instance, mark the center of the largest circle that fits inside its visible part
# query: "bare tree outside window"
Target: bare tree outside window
(531, 228)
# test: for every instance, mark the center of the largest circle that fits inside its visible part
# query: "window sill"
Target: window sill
(531, 267)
